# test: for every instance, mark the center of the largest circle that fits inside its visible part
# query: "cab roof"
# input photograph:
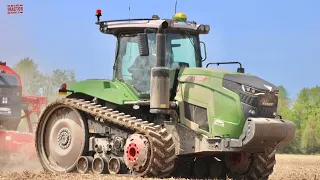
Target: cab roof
(123, 25)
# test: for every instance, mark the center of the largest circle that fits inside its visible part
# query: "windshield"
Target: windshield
(182, 50)
(9, 80)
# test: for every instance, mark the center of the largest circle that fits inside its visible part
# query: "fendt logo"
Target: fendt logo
(15, 9)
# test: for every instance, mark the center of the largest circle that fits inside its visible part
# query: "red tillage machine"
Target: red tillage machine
(12, 103)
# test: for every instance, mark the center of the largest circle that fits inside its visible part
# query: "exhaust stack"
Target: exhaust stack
(160, 80)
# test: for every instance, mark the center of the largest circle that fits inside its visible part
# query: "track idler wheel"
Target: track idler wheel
(137, 153)
(100, 166)
(84, 164)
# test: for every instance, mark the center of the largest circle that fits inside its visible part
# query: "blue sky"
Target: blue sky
(275, 40)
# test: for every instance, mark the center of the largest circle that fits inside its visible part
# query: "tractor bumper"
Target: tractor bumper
(261, 133)
(258, 134)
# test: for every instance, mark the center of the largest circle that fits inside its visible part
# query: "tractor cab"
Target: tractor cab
(182, 47)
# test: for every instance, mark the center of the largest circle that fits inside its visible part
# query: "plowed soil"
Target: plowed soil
(302, 167)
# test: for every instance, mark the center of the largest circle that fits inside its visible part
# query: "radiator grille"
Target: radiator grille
(266, 104)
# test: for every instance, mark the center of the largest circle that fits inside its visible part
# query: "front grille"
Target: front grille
(266, 104)
(268, 99)
(266, 112)
(249, 99)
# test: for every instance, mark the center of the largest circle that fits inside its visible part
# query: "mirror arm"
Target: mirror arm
(239, 70)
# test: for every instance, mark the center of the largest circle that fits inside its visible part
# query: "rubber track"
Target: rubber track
(161, 161)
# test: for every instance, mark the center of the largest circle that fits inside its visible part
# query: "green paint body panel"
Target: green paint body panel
(222, 104)
(113, 91)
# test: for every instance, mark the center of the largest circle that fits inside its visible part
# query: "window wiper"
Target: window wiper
(195, 47)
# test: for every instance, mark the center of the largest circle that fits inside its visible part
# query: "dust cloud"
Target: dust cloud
(19, 162)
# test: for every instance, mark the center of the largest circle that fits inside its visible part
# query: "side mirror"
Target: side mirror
(205, 50)
(240, 70)
(143, 44)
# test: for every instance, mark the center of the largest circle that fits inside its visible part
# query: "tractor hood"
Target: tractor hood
(231, 80)
(251, 81)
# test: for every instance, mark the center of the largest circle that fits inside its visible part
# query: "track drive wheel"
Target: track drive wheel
(254, 166)
(61, 138)
(142, 155)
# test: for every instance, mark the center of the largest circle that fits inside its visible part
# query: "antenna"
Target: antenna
(129, 9)
(175, 7)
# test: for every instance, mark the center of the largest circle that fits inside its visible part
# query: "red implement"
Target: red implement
(17, 142)
(21, 143)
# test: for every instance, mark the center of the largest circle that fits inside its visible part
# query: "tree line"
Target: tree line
(38, 83)
(304, 111)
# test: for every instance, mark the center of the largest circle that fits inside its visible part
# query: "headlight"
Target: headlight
(201, 28)
(240, 88)
(251, 90)
(204, 28)
(207, 28)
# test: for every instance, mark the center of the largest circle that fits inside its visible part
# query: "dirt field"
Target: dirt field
(300, 167)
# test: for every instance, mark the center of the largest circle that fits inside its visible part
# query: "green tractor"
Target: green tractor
(163, 114)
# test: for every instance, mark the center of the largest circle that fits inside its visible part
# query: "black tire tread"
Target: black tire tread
(262, 166)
